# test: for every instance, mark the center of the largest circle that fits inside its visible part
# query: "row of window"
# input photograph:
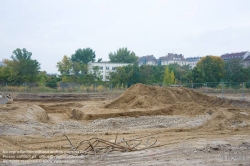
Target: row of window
(101, 76)
(107, 68)
(176, 58)
(234, 57)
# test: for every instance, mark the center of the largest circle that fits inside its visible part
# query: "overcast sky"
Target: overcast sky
(51, 29)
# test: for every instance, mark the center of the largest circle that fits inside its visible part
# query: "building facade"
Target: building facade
(105, 68)
(165, 60)
(172, 59)
(147, 60)
(244, 56)
(192, 61)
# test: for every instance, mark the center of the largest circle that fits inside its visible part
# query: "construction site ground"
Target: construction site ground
(174, 126)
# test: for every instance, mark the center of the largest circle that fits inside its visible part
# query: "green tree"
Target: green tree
(5, 72)
(80, 60)
(209, 69)
(64, 66)
(52, 81)
(234, 71)
(42, 78)
(121, 75)
(181, 73)
(172, 77)
(84, 56)
(167, 77)
(146, 74)
(126, 75)
(158, 74)
(22, 67)
(123, 55)
(134, 75)
(97, 73)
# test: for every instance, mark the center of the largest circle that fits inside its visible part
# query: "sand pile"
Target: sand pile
(35, 113)
(142, 96)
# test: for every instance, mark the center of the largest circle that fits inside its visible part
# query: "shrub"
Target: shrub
(248, 84)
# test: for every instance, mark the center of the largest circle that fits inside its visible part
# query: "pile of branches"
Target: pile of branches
(100, 146)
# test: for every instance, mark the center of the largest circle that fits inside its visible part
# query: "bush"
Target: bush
(248, 84)
(52, 82)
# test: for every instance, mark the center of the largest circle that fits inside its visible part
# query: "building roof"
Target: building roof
(233, 55)
(108, 62)
(171, 56)
(147, 58)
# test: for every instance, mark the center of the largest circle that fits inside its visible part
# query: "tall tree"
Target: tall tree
(209, 69)
(127, 75)
(96, 73)
(64, 66)
(84, 56)
(25, 68)
(158, 72)
(7, 74)
(234, 71)
(123, 55)
(181, 73)
(80, 60)
(146, 74)
(172, 77)
(167, 77)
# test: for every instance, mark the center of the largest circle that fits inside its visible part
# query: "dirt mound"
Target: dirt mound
(35, 113)
(142, 96)
(75, 114)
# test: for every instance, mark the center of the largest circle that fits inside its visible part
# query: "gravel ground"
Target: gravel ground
(103, 125)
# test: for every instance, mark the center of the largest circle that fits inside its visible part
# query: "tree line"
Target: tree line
(21, 68)
(210, 69)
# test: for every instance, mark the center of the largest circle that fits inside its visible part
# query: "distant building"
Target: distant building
(147, 60)
(105, 68)
(164, 60)
(192, 61)
(244, 56)
(173, 58)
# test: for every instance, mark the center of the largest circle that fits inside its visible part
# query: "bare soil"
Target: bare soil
(191, 128)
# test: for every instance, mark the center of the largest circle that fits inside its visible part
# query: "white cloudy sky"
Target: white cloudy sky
(53, 28)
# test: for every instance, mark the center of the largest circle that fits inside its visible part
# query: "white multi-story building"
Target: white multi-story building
(243, 56)
(147, 60)
(192, 61)
(165, 60)
(170, 58)
(105, 68)
(173, 58)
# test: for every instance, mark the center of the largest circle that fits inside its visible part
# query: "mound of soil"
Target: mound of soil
(35, 113)
(75, 114)
(143, 96)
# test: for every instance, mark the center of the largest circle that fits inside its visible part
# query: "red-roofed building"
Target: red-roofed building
(244, 56)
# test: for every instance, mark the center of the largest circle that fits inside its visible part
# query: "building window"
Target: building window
(107, 68)
(107, 77)
(113, 68)
(101, 68)
(101, 76)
